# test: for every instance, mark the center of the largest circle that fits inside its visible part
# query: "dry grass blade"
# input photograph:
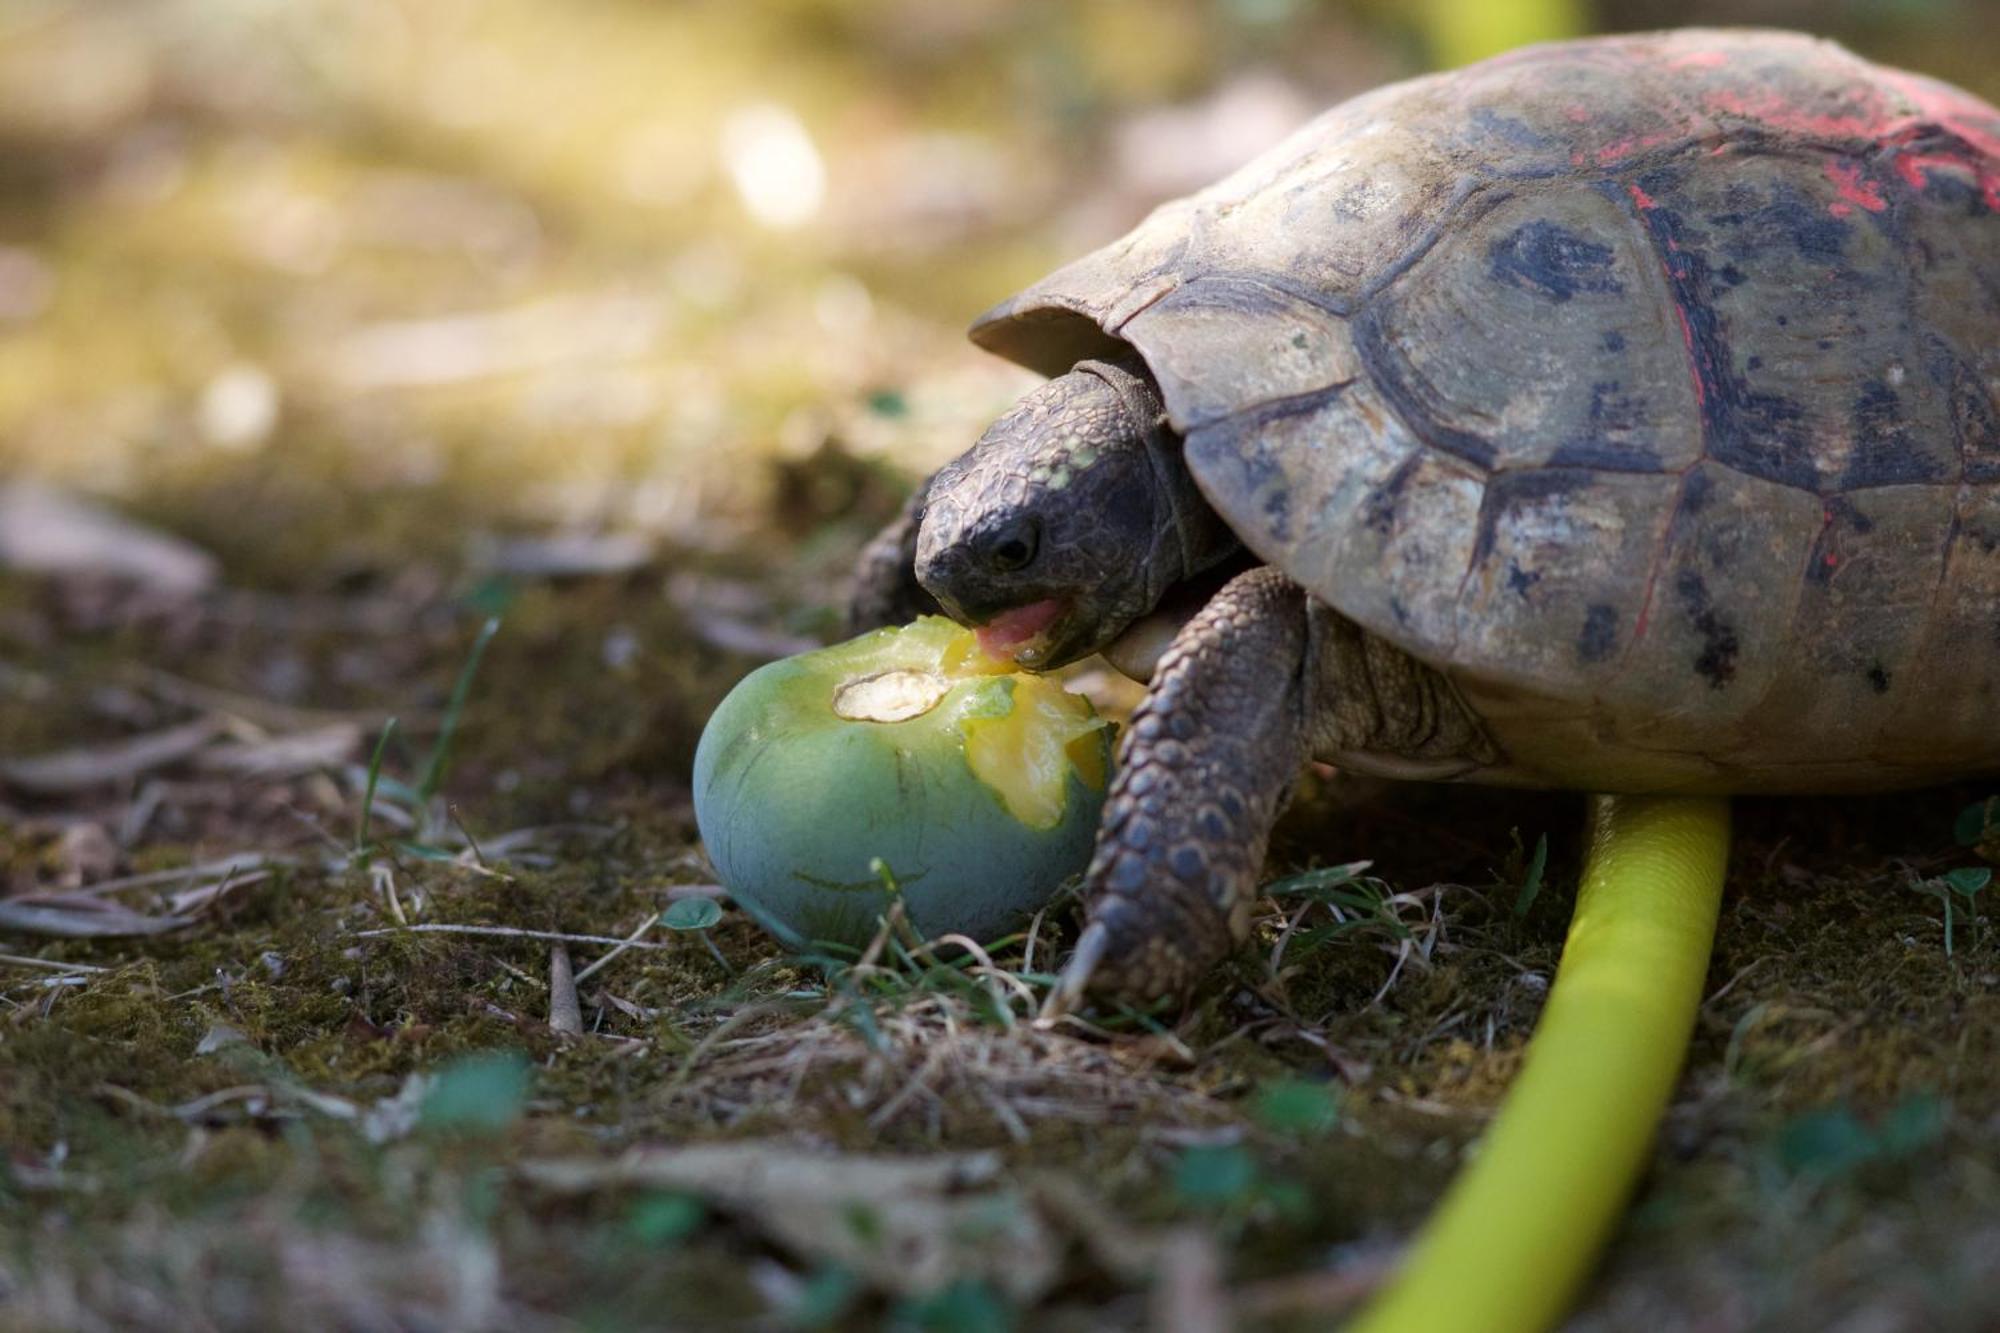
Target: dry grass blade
(284, 756)
(47, 964)
(79, 917)
(931, 1219)
(69, 771)
(82, 918)
(505, 932)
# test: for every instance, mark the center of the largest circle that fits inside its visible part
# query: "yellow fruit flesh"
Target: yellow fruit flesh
(1024, 751)
(1027, 755)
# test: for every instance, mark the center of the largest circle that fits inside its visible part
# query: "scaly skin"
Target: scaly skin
(1203, 771)
(885, 589)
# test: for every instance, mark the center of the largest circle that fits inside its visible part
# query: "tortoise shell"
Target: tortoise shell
(1650, 386)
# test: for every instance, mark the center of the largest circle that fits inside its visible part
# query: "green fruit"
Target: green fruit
(978, 789)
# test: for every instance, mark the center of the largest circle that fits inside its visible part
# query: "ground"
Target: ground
(417, 318)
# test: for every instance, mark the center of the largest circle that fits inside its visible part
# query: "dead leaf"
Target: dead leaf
(86, 853)
(284, 756)
(49, 531)
(68, 771)
(908, 1225)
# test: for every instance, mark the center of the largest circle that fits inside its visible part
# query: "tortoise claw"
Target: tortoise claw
(1076, 975)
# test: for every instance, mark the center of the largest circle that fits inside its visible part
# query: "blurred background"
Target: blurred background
(359, 293)
(332, 329)
(329, 328)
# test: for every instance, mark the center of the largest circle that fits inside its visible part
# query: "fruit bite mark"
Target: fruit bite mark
(890, 696)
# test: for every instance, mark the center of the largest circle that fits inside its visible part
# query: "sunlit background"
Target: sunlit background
(350, 285)
(332, 331)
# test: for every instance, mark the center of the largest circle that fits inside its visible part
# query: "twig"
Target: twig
(625, 944)
(49, 964)
(507, 932)
(565, 1014)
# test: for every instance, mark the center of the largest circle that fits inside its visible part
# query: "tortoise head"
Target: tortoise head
(1068, 520)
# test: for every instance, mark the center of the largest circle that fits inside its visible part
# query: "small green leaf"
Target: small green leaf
(1315, 881)
(1827, 1142)
(661, 1218)
(1969, 880)
(823, 1299)
(1214, 1175)
(1912, 1125)
(374, 779)
(888, 403)
(1969, 829)
(1298, 1106)
(1289, 1199)
(692, 914)
(1531, 881)
(482, 1093)
(424, 851)
(440, 757)
(966, 1306)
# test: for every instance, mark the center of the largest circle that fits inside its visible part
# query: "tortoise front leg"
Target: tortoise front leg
(885, 589)
(1206, 766)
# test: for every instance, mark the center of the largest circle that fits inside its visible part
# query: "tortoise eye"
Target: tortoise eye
(1014, 547)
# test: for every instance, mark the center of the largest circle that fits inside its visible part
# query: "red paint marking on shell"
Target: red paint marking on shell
(1773, 110)
(1914, 167)
(1577, 112)
(1840, 210)
(1846, 177)
(1694, 365)
(1629, 145)
(1699, 60)
(1640, 199)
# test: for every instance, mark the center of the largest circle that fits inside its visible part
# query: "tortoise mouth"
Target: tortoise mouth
(1021, 629)
(1041, 636)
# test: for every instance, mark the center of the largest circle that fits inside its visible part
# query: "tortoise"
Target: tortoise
(1619, 415)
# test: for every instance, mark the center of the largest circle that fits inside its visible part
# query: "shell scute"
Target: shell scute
(1229, 346)
(1777, 279)
(1534, 328)
(1863, 600)
(1947, 692)
(1718, 607)
(1530, 610)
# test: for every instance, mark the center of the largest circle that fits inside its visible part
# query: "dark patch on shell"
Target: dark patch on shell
(1544, 258)
(1975, 423)
(1716, 662)
(1883, 452)
(1600, 633)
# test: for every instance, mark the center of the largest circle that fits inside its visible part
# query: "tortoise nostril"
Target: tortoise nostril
(1013, 547)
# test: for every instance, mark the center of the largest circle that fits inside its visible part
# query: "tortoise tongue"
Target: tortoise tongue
(1010, 631)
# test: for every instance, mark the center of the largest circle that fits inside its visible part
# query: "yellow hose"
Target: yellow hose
(1522, 1225)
